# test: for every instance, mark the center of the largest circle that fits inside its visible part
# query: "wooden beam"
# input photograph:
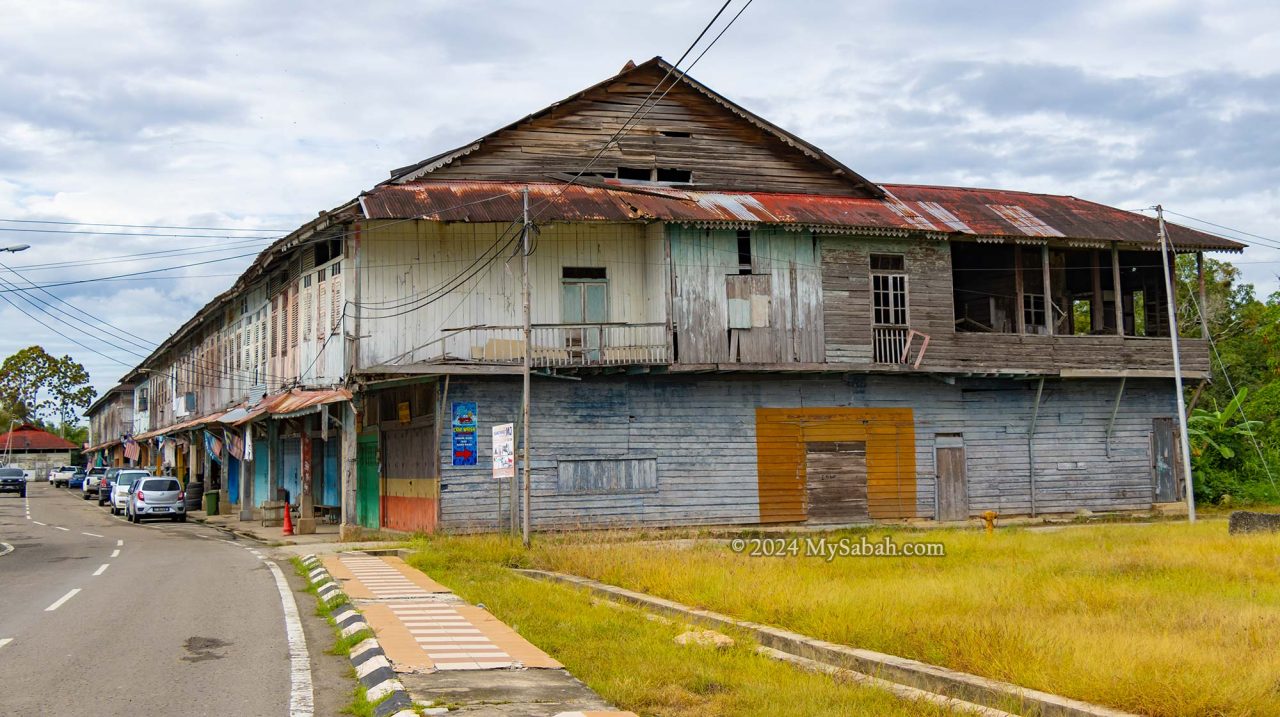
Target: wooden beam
(1097, 322)
(1020, 318)
(1204, 297)
(1115, 288)
(1048, 295)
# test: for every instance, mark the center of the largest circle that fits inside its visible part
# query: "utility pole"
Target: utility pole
(528, 366)
(1167, 255)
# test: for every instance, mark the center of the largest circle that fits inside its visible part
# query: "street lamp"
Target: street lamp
(16, 248)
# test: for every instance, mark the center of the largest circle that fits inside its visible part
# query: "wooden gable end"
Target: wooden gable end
(685, 131)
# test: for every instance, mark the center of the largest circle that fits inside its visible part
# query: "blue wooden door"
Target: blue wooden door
(261, 460)
(291, 467)
(233, 480)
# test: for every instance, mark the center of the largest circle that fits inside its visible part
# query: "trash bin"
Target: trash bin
(211, 503)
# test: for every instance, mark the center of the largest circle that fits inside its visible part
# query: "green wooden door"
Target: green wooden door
(367, 493)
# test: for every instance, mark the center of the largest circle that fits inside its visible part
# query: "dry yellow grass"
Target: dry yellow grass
(632, 661)
(1159, 619)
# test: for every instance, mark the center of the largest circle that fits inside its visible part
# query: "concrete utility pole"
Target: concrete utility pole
(528, 366)
(1166, 257)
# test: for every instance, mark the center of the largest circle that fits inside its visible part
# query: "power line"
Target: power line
(141, 256)
(137, 273)
(138, 226)
(140, 235)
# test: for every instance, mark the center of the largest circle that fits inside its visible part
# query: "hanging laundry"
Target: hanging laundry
(213, 445)
(235, 444)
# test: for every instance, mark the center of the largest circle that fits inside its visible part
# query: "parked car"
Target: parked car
(121, 485)
(89, 489)
(76, 481)
(104, 485)
(13, 480)
(59, 476)
(156, 498)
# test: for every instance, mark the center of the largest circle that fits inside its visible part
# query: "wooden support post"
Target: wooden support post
(1049, 318)
(1204, 297)
(1115, 288)
(1020, 319)
(350, 499)
(1097, 322)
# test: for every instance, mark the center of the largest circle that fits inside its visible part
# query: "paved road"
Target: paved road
(101, 617)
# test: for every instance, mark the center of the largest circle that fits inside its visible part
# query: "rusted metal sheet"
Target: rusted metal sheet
(292, 402)
(939, 211)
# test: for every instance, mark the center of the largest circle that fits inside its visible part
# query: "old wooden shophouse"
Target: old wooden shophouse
(728, 326)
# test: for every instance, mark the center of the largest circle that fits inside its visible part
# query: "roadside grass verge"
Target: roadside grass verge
(1161, 619)
(632, 660)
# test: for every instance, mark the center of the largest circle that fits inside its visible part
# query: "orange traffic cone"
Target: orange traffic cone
(288, 520)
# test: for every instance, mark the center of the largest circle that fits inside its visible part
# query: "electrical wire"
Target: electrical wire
(139, 226)
(138, 273)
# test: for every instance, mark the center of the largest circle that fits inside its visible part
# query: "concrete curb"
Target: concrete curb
(373, 669)
(920, 675)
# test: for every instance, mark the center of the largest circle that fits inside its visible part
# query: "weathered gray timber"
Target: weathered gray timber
(1247, 522)
(699, 432)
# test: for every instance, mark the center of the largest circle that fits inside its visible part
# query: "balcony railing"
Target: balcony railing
(888, 344)
(555, 345)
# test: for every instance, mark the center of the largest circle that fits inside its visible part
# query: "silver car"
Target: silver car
(122, 487)
(156, 498)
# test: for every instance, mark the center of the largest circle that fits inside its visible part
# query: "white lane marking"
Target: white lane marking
(5, 641)
(115, 553)
(59, 527)
(62, 600)
(119, 543)
(38, 522)
(300, 693)
(101, 570)
(5, 548)
(91, 535)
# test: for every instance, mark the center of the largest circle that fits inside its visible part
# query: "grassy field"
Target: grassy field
(1158, 619)
(631, 660)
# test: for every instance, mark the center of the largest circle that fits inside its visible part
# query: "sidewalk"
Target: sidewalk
(271, 535)
(445, 650)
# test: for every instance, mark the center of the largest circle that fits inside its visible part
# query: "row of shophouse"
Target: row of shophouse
(728, 326)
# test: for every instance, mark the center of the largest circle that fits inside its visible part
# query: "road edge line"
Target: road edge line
(301, 692)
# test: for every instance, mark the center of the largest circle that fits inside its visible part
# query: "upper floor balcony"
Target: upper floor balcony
(567, 345)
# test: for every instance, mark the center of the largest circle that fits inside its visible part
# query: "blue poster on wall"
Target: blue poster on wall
(464, 433)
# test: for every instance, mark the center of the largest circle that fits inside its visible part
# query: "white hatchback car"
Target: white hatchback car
(154, 497)
(120, 489)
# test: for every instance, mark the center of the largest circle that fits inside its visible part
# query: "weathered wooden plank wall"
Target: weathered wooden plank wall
(701, 433)
(684, 129)
(846, 299)
(846, 292)
(405, 264)
(704, 260)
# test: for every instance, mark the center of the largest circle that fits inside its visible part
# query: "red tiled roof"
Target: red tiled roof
(942, 211)
(29, 438)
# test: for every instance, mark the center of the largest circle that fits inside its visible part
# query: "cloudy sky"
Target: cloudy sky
(255, 116)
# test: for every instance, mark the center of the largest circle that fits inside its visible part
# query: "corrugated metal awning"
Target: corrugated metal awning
(941, 212)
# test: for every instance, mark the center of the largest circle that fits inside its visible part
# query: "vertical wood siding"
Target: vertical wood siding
(703, 261)
(407, 260)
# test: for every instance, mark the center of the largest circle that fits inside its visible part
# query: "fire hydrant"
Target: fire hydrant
(989, 518)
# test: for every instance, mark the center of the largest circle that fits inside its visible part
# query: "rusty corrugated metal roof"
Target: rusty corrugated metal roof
(939, 211)
(292, 402)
